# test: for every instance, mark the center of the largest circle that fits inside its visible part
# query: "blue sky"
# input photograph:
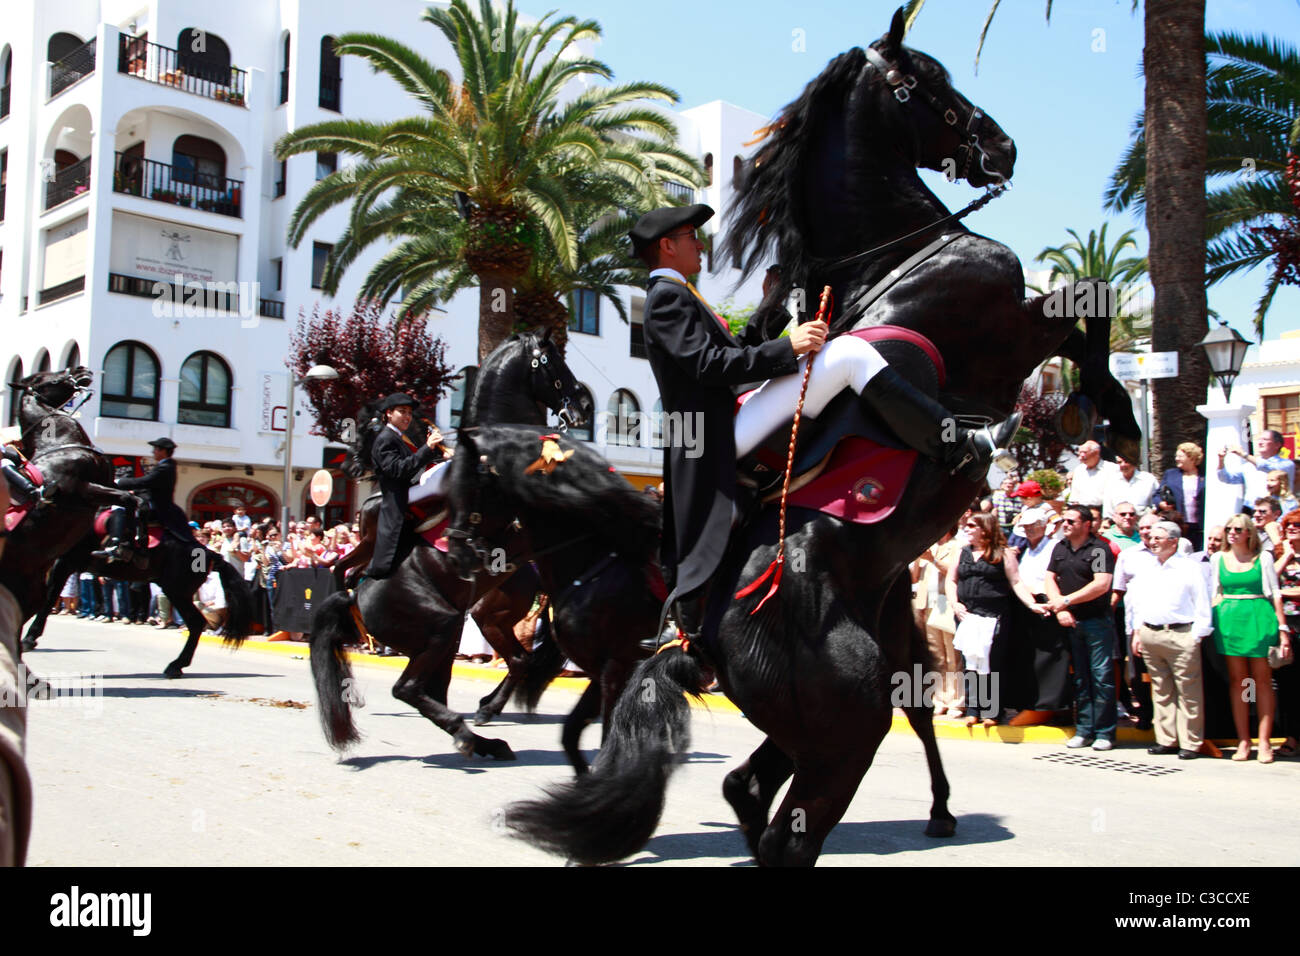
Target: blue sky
(1067, 91)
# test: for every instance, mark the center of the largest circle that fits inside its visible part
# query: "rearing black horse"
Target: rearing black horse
(830, 193)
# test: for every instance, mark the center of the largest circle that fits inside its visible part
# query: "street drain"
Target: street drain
(1105, 763)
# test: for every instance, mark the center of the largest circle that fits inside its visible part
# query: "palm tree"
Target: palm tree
(1130, 328)
(499, 148)
(1174, 122)
(1253, 117)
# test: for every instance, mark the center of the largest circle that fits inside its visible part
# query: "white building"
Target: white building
(136, 145)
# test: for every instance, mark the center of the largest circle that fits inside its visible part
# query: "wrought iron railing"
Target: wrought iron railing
(2, 203)
(80, 62)
(183, 71)
(270, 308)
(284, 86)
(4, 100)
(60, 291)
(68, 183)
(162, 182)
(331, 91)
(158, 288)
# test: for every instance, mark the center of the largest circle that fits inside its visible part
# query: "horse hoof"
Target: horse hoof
(499, 750)
(938, 827)
(29, 644)
(466, 747)
(173, 671)
(483, 717)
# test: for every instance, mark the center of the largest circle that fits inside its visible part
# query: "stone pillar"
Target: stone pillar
(1222, 499)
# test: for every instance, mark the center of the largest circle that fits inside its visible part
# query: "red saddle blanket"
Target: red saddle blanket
(155, 530)
(864, 480)
(435, 536)
(16, 513)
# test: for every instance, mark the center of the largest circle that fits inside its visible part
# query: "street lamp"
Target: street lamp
(1226, 350)
(317, 373)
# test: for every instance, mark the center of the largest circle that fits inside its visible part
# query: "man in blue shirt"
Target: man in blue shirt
(1252, 471)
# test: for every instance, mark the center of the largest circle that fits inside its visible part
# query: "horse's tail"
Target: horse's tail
(543, 665)
(331, 628)
(612, 811)
(239, 600)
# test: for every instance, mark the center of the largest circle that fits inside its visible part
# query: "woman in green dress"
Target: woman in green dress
(1248, 620)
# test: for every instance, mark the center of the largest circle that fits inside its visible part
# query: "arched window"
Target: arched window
(74, 357)
(60, 45)
(460, 393)
(6, 75)
(218, 501)
(204, 55)
(199, 162)
(130, 383)
(15, 396)
(331, 76)
(205, 391)
(583, 432)
(284, 71)
(42, 362)
(624, 419)
(708, 169)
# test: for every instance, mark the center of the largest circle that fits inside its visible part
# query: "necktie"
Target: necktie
(408, 443)
(696, 292)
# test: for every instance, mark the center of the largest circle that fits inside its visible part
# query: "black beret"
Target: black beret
(166, 444)
(657, 223)
(396, 400)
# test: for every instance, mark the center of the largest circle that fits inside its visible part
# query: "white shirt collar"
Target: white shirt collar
(669, 274)
(393, 427)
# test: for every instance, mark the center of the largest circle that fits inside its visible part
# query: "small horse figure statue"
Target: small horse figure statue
(835, 194)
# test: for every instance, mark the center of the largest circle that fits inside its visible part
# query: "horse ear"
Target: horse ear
(897, 29)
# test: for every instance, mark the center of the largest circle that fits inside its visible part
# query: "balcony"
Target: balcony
(2, 203)
(167, 67)
(68, 183)
(284, 86)
(214, 298)
(60, 291)
(4, 100)
(331, 91)
(162, 182)
(270, 308)
(77, 64)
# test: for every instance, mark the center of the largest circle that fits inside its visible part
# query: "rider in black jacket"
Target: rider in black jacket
(397, 461)
(158, 486)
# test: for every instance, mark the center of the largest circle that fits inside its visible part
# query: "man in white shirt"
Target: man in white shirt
(212, 601)
(1090, 477)
(1172, 610)
(1251, 471)
(1130, 484)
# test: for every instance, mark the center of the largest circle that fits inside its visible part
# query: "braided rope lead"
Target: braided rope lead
(777, 566)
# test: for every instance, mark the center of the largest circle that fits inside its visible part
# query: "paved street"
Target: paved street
(225, 767)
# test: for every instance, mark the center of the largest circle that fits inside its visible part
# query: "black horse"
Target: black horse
(60, 531)
(522, 377)
(813, 667)
(78, 479)
(419, 609)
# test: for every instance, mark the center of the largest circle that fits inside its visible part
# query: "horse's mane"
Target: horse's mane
(494, 404)
(584, 492)
(767, 218)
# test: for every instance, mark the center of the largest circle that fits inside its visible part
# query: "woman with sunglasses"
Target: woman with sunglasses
(980, 587)
(1248, 620)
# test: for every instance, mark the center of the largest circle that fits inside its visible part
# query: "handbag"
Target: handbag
(1275, 658)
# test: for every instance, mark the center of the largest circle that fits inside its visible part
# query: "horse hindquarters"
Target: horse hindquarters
(612, 812)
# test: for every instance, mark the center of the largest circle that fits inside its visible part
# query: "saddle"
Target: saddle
(156, 531)
(847, 464)
(16, 513)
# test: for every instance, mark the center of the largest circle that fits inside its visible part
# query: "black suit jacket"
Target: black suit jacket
(159, 488)
(699, 365)
(396, 466)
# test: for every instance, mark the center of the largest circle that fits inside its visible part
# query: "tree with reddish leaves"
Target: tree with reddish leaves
(374, 355)
(1038, 444)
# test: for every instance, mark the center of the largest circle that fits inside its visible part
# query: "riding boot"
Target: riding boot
(117, 549)
(689, 612)
(21, 488)
(924, 424)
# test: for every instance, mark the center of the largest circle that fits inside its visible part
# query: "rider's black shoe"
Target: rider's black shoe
(924, 424)
(117, 551)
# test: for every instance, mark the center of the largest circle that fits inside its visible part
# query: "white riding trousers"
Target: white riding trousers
(432, 483)
(844, 362)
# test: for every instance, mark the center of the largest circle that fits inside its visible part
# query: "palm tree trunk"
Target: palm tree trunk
(496, 312)
(1175, 192)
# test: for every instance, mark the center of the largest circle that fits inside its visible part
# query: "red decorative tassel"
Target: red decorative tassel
(774, 569)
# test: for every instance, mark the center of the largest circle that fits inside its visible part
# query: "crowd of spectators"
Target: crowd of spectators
(1090, 607)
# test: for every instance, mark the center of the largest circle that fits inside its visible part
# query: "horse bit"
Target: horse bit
(567, 415)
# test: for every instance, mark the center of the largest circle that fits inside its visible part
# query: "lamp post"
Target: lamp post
(1226, 350)
(317, 373)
